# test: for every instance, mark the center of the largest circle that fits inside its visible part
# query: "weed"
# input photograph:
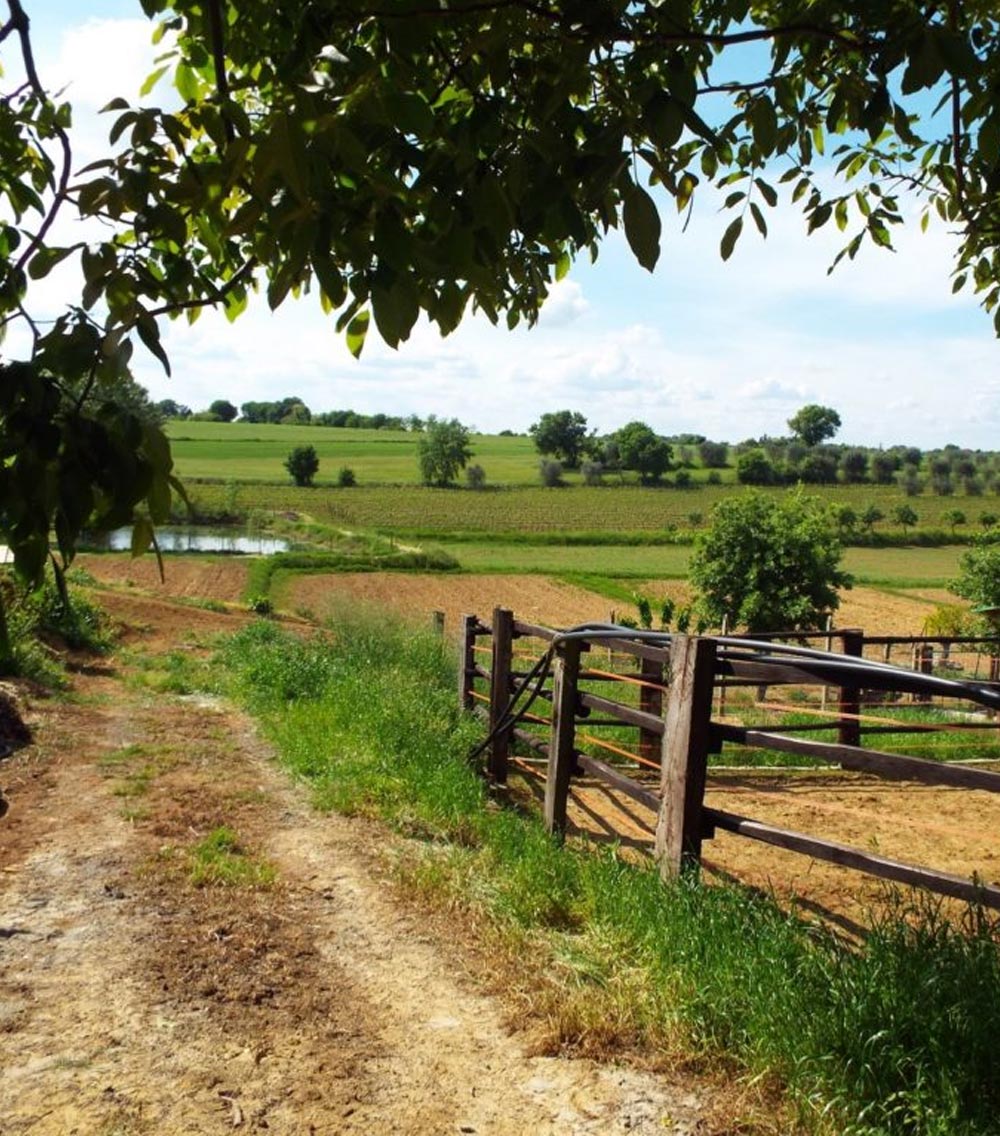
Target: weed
(220, 860)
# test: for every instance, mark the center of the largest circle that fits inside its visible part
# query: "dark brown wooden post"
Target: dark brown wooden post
(565, 675)
(684, 760)
(466, 660)
(503, 640)
(925, 665)
(849, 706)
(650, 702)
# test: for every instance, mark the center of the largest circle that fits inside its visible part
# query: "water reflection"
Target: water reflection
(181, 538)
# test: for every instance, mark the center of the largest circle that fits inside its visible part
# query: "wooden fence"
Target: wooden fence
(549, 694)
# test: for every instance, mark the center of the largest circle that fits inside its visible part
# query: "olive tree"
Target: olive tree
(768, 564)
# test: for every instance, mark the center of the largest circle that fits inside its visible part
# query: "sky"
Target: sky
(729, 350)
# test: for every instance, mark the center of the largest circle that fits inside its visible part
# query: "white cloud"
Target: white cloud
(771, 390)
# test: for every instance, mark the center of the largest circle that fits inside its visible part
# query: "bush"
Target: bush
(475, 477)
(593, 473)
(346, 478)
(551, 473)
(303, 464)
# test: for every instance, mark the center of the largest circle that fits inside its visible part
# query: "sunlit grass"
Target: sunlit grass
(895, 1036)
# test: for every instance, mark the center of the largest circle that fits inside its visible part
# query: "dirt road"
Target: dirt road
(133, 1002)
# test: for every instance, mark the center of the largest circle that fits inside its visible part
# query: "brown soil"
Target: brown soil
(133, 1002)
(536, 599)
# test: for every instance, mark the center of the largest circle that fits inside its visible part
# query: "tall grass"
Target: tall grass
(898, 1035)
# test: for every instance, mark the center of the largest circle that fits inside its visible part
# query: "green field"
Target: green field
(647, 513)
(616, 530)
(239, 451)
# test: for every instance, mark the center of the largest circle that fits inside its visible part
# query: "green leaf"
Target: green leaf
(764, 123)
(149, 333)
(642, 226)
(187, 84)
(152, 79)
(142, 536)
(42, 263)
(395, 309)
(357, 331)
(730, 237)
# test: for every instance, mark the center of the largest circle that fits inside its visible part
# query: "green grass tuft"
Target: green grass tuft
(219, 860)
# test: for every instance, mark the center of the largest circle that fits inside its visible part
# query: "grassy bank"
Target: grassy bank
(897, 1036)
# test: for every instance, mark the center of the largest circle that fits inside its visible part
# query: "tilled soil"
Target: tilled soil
(133, 1002)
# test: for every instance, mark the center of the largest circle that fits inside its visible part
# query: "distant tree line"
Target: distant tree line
(288, 411)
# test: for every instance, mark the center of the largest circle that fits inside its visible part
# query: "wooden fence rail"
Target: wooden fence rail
(540, 699)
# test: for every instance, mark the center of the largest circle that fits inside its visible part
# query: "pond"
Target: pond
(192, 538)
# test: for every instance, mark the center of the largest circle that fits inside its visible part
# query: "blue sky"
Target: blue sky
(729, 350)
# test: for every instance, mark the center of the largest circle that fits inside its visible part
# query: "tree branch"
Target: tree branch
(219, 62)
(20, 23)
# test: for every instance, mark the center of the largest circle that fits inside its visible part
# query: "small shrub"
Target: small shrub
(593, 473)
(260, 605)
(346, 478)
(475, 477)
(714, 477)
(551, 473)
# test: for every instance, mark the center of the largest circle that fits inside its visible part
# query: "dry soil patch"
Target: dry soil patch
(133, 1002)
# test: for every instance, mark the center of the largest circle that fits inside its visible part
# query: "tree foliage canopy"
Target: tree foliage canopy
(432, 156)
(768, 564)
(443, 449)
(642, 449)
(563, 434)
(814, 424)
(979, 573)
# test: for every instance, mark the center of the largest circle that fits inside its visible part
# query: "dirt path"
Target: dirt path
(133, 1002)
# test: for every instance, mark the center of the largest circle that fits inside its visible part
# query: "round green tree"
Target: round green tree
(443, 450)
(303, 464)
(979, 574)
(768, 564)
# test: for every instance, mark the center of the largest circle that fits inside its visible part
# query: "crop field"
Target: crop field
(386, 460)
(526, 512)
(238, 451)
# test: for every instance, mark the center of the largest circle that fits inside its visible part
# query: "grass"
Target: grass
(220, 860)
(896, 1036)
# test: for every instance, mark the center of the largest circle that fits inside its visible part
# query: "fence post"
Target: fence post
(686, 743)
(503, 640)
(437, 622)
(849, 705)
(924, 656)
(565, 675)
(466, 660)
(650, 702)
